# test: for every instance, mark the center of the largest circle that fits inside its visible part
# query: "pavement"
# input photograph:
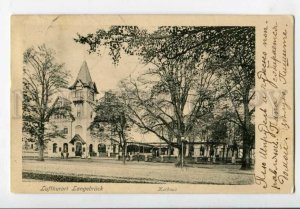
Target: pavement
(111, 170)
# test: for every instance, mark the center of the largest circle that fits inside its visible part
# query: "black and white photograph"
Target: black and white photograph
(142, 104)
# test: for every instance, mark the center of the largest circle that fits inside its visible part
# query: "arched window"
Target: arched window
(54, 148)
(202, 149)
(65, 147)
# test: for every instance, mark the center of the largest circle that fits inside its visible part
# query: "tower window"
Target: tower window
(65, 130)
(54, 148)
(79, 110)
(77, 94)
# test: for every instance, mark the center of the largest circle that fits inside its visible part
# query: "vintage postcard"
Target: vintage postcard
(152, 104)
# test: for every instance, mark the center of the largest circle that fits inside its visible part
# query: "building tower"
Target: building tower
(82, 95)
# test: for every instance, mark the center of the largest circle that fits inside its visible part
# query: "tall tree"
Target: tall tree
(237, 64)
(219, 133)
(169, 98)
(218, 130)
(42, 80)
(111, 115)
(175, 46)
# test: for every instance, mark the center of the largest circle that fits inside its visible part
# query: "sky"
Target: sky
(58, 32)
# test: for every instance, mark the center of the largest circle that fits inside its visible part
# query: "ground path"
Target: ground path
(110, 170)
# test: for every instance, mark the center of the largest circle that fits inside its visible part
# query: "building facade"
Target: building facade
(78, 140)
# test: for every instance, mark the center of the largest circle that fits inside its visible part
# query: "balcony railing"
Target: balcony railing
(78, 98)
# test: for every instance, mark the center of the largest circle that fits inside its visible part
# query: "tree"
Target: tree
(218, 130)
(111, 115)
(237, 61)
(170, 98)
(176, 51)
(42, 80)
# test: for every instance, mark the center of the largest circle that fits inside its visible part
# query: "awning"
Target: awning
(76, 138)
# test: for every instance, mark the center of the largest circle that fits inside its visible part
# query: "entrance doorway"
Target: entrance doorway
(78, 150)
(91, 148)
(102, 150)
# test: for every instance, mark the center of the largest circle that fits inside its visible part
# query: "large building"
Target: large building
(78, 140)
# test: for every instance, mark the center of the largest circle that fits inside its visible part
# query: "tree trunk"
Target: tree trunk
(246, 163)
(180, 160)
(124, 154)
(246, 160)
(41, 140)
(41, 152)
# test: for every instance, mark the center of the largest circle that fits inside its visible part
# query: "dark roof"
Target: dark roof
(76, 138)
(67, 101)
(85, 78)
(84, 73)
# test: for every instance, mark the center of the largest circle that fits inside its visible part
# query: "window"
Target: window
(65, 147)
(65, 130)
(54, 148)
(202, 150)
(73, 149)
(102, 148)
(59, 149)
(79, 107)
(78, 94)
(91, 148)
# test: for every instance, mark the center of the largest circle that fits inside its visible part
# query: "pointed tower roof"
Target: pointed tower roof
(84, 74)
(85, 78)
